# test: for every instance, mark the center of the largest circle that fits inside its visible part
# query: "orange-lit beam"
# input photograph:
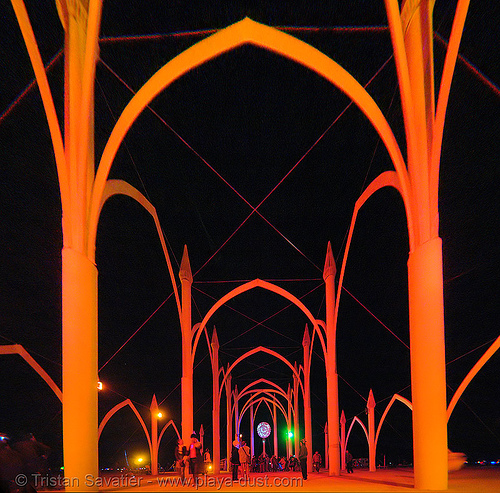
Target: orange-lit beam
(48, 103)
(472, 373)
(444, 93)
(356, 420)
(395, 397)
(386, 179)
(18, 349)
(164, 429)
(120, 187)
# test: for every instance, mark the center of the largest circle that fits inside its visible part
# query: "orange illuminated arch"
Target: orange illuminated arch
(164, 429)
(243, 32)
(259, 349)
(395, 397)
(356, 420)
(386, 179)
(256, 283)
(268, 397)
(472, 373)
(263, 380)
(120, 187)
(111, 412)
(18, 349)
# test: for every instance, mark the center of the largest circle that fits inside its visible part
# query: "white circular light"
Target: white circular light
(263, 429)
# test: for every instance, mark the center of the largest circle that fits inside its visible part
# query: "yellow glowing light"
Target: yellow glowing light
(160, 415)
(99, 386)
(140, 459)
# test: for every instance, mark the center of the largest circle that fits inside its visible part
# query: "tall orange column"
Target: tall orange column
(342, 440)
(332, 386)
(236, 412)
(79, 402)
(186, 278)
(412, 36)
(229, 419)
(215, 403)
(289, 420)
(371, 432)
(306, 341)
(154, 436)
(428, 370)
(296, 413)
(275, 432)
(325, 431)
(252, 431)
(79, 273)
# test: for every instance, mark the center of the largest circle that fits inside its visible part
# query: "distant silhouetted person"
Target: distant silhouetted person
(207, 460)
(181, 458)
(235, 459)
(316, 461)
(263, 462)
(244, 453)
(303, 453)
(194, 457)
(348, 462)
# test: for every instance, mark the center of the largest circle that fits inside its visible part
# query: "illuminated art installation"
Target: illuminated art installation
(263, 429)
(83, 192)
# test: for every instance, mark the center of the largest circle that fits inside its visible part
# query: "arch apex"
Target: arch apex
(306, 340)
(185, 273)
(330, 268)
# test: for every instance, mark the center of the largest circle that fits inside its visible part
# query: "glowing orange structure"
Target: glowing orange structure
(83, 193)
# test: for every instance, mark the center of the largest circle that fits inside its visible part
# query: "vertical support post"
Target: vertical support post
(79, 274)
(412, 35)
(229, 419)
(252, 431)
(215, 403)
(236, 413)
(296, 413)
(79, 402)
(186, 278)
(342, 440)
(154, 436)
(332, 386)
(427, 354)
(289, 420)
(306, 341)
(202, 441)
(275, 431)
(371, 432)
(326, 445)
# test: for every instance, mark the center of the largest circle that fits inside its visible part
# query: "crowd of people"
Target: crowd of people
(241, 457)
(191, 460)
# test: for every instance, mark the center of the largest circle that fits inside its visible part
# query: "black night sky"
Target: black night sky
(250, 116)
